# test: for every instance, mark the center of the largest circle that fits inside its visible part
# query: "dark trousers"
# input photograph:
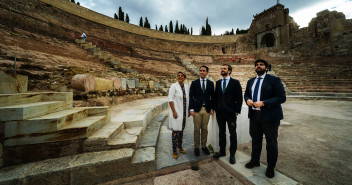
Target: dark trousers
(257, 128)
(231, 119)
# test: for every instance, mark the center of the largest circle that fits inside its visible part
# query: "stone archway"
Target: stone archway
(268, 40)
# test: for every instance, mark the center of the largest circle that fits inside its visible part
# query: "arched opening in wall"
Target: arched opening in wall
(268, 40)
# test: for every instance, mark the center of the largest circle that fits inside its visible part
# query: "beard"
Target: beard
(223, 73)
(260, 72)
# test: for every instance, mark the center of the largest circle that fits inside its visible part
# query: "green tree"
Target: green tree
(156, 27)
(203, 31)
(166, 30)
(146, 23)
(207, 27)
(121, 14)
(73, 1)
(127, 18)
(232, 32)
(115, 16)
(171, 26)
(177, 30)
(161, 28)
(141, 22)
(78, 4)
(191, 31)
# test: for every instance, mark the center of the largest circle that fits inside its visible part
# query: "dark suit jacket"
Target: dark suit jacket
(196, 96)
(231, 100)
(273, 95)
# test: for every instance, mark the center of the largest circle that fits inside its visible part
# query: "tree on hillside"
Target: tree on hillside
(121, 14)
(156, 27)
(161, 28)
(78, 4)
(166, 30)
(238, 31)
(191, 31)
(177, 30)
(141, 22)
(171, 26)
(115, 16)
(207, 29)
(146, 23)
(73, 1)
(127, 18)
(232, 32)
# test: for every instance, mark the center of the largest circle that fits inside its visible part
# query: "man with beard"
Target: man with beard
(264, 95)
(228, 104)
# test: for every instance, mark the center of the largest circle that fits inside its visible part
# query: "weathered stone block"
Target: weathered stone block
(131, 83)
(123, 84)
(151, 84)
(116, 82)
(103, 84)
(156, 85)
(84, 82)
(13, 84)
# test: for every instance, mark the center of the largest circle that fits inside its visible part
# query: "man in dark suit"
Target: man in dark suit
(228, 104)
(264, 95)
(201, 96)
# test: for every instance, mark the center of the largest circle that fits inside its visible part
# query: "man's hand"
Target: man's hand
(211, 112)
(249, 102)
(191, 113)
(174, 114)
(258, 104)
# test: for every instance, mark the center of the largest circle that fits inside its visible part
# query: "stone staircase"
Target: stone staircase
(81, 145)
(34, 121)
(105, 56)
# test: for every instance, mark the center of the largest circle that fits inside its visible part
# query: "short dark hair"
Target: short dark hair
(182, 74)
(228, 67)
(261, 60)
(206, 67)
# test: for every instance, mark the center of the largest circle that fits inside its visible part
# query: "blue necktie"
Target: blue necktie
(256, 89)
(223, 86)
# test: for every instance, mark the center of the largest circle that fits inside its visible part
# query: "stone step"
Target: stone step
(53, 121)
(98, 141)
(23, 98)
(80, 129)
(151, 134)
(30, 110)
(46, 123)
(128, 138)
(87, 168)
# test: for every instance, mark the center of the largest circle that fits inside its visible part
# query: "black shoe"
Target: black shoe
(270, 172)
(232, 159)
(218, 155)
(196, 152)
(206, 150)
(251, 165)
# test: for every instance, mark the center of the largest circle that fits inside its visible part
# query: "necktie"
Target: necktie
(203, 86)
(223, 86)
(256, 89)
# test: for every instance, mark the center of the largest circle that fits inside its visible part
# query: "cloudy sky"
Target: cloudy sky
(223, 14)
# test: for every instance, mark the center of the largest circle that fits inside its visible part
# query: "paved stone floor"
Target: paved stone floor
(164, 147)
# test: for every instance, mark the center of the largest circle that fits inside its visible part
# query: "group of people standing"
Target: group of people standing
(264, 95)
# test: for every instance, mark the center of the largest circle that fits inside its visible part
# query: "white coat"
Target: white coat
(176, 96)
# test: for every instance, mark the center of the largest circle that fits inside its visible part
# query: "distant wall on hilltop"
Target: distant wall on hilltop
(108, 21)
(64, 20)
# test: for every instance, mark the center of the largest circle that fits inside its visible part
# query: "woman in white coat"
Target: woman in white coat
(178, 101)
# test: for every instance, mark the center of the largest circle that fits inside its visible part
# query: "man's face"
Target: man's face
(203, 72)
(224, 71)
(260, 68)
